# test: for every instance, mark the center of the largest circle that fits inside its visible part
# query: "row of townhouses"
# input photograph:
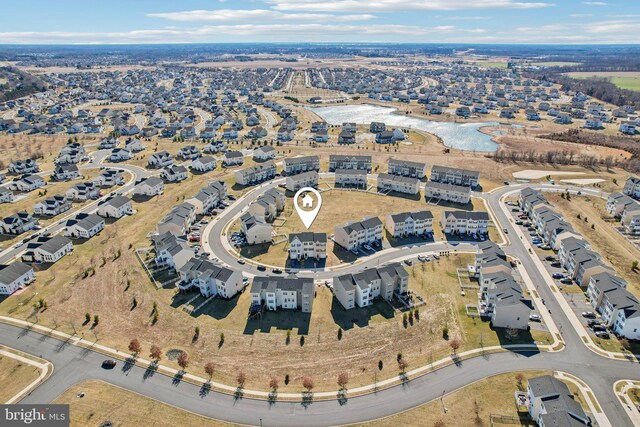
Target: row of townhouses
(362, 288)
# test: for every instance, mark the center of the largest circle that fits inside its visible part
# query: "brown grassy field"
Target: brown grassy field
(15, 376)
(103, 402)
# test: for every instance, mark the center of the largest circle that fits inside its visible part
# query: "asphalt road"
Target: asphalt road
(96, 162)
(74, 364)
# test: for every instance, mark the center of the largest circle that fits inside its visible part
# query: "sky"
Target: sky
(409, 21)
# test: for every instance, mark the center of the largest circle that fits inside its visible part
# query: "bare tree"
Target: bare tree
(273, 384)
(307, 382)
(241, 378)
(455, 344)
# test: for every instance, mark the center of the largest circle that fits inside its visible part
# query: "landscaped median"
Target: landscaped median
(182, 375)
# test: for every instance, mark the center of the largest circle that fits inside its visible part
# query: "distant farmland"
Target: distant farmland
(624, 80)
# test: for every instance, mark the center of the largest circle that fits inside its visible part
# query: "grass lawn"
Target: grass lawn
(103, 402)
(623, 80)
(15, 376)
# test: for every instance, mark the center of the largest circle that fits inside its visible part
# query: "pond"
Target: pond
(463, 136)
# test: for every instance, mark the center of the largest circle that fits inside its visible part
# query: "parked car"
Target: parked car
(276, 271)
(534, 318)
(408, 262)
(550, 258)
(598, 328)
(566, 281)
(588, 314)
(241, 261)
(556, 264)
(557, 276)
(109, 364)
(603, 335)
(262, 268)
(592, 322)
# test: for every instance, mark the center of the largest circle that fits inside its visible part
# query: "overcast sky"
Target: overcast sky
(425, 21)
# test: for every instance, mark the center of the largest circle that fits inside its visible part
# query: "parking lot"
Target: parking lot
(568, 288)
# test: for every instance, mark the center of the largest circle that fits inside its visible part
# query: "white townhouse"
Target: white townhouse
(296, 165)
(174, 173)
(190, 152)
(210, 279)
(305, 179)
(630, 220)
(350, 178)
(27, 183)
(362, 288)
(617, 203)
(263, 153)
(268, 204)
(65, 172)
(47, 249)
(355, 234)
(179, 220)
(552, 404)
(160, 159)
(447, 192)
(256, 174)
(6, 195)
(21, 167)
(464, 222)
(115, 207)
(255, 229)
(406, 168)
(339, 161)
(14, 276)
(135, 145)
(632, 187)
(151, 186)
(17, 223)
(83, 226)
(289, 293)
(120, 155)
(409, 224)
(307, 245)
(52, 206)
(109, 178)
(171, 252)
(208, 197)
(203, 164)
(232, 158)
(455, 176)
(84, 191)
(397, 183)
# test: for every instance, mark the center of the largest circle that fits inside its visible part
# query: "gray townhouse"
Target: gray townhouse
(406, 168)
(339, 161)
(289, 293)
(296, 165)
(362, 288)
(455, 176)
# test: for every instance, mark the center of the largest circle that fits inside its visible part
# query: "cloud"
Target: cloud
(595, 3)
(230, 33)
(581, 15)
(630, 27)
(400, 5)
(254, 15)
(463, 18)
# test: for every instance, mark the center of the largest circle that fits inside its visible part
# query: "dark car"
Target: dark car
(408, 262)
(109, 364)
(598, 328)
(557, 276)
(603, 335)
(231, 197)
(556, 264)
(550, 258)
(566, 281)
(262, 268)
(241, 261)
(592, 322)
(589, 314)
(276, 271)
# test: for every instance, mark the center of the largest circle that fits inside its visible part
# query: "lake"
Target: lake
(463, 136)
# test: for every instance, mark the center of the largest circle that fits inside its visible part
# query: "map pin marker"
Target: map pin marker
(308, 202)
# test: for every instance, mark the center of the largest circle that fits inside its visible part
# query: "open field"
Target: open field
(15, 376)
(332, 213)
(373, 334)
(556, 64)
(103, 402)
(623, 79)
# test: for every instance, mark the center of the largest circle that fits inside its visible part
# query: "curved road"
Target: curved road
(74, 364)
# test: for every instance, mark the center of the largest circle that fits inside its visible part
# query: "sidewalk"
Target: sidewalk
(589, 397)
(370, 388)
(46, 369)
(573, 319)
(625, 400)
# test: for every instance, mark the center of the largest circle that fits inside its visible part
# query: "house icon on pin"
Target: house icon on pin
(307, 201)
